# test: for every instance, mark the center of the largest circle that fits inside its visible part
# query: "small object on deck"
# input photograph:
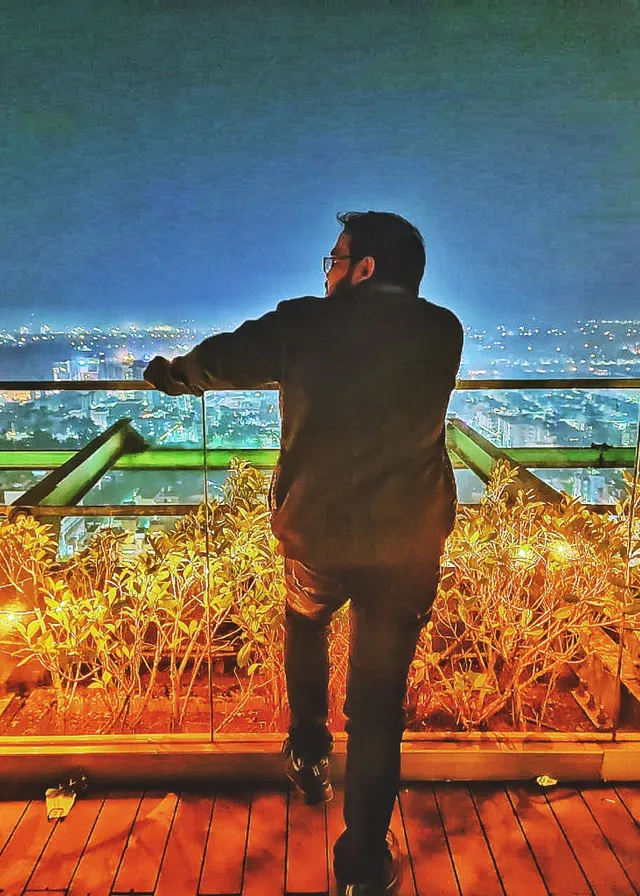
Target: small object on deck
(546, 781)
(60, 800)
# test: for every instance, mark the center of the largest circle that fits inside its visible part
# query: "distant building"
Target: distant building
(18, 397)
(530, 434)
(493, 427)
(99, 415)
(138, 368)
(62, 371)
(81, 369)
(85, 369)
(113, 370)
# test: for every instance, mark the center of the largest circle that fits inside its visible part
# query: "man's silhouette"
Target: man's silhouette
(362, 500)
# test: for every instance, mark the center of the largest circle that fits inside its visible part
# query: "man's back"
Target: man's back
(364, 477)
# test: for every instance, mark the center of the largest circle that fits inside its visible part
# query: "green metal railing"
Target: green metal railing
(184, 459)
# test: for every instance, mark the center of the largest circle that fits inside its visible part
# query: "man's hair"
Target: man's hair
(395, 244)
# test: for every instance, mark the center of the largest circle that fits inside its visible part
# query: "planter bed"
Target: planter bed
(36, 714)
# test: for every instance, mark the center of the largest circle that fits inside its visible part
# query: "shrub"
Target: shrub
(523, 584)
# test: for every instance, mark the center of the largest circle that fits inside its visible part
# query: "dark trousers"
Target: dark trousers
(388, 608)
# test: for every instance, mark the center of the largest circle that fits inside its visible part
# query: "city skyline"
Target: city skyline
(160, 154)
(589, 348)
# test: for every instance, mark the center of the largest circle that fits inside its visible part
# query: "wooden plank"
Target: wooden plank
(182, 863)
(10, 814)
(594, 854)
(617, 825)
(555, 859)
(24, 847)
(227, 843)
(264, 864)
(406, 887)
(432, 865)
(100, 860)
(307, 869)
(630, 796)
(335, 826)
(62, 852)
(142, 857)
(475, 870)
(516, 866)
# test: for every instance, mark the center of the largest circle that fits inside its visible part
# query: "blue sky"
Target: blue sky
(167, 159)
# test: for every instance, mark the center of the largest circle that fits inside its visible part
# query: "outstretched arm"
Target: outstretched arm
(250, 357)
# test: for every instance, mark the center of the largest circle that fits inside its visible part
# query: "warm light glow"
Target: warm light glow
(562, 550)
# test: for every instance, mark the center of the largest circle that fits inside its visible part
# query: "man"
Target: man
(362, 500)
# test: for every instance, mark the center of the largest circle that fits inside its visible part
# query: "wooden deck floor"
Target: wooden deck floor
(479, 840)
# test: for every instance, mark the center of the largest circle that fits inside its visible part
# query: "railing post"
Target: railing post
(481, 456)
(70, 482)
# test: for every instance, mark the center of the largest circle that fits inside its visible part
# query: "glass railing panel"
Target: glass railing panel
(68, 420)
(14, 483)
(522, 593)
(104, 615)
(537, 589)
(246, 571)
(164, 487)
(531, 418)
(620, 656)
(470, 487)
(525, 595)
(243, 419)
(589, 485)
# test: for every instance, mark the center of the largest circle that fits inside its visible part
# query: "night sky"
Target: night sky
(166, 160)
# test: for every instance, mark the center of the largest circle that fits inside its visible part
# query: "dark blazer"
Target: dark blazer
(363, 476)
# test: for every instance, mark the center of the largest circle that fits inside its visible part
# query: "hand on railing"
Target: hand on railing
(163, 376)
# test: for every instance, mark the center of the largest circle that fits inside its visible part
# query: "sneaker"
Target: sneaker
(313, 781)
(390, 873)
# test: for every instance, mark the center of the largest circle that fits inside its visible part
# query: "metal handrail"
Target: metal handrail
(595, 383)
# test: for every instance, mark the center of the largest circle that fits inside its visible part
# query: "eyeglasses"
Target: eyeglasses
(329, 260)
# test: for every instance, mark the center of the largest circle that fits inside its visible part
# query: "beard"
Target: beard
(342, 288)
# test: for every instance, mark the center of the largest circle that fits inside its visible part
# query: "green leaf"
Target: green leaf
(32, 628)
(563, 613)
